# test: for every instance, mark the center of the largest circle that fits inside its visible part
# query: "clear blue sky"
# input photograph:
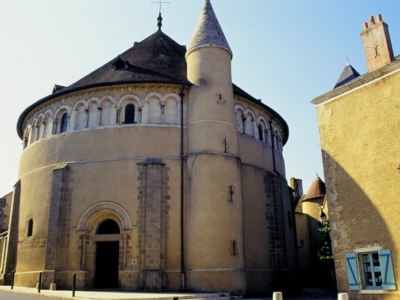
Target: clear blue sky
(285, 52)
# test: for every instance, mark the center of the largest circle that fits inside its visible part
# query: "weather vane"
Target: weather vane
(160, 2)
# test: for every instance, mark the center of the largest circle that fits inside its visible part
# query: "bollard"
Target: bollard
(343, 296)
(277, 296)
(73, 284)
(40, 282)
(12, 279)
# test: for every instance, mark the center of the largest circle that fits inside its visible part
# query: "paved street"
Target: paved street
(21, 293)
(14, 296)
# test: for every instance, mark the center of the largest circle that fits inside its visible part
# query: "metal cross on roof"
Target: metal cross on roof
(160, 2)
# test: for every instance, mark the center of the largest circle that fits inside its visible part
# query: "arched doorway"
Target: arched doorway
(107, 254)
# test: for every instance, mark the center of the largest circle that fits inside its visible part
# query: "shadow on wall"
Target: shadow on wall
(357, 220)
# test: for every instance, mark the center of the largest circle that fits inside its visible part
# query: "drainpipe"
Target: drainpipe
(183, 274)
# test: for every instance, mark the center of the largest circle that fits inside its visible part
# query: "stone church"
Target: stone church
(154, 173)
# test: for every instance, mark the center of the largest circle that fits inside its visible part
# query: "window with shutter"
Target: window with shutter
(352, 273)
(385, 260)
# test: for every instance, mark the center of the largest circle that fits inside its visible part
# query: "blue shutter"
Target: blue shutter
(352, 274)
(385, 260)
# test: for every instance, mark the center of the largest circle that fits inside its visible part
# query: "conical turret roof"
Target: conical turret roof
(208, 32)
(316, 190)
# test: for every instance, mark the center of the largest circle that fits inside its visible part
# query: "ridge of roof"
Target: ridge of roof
(208, 32)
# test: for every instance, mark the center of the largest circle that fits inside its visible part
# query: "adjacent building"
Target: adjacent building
(313, 243)
(359, 125)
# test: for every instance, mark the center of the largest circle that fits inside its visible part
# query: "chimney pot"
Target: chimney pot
(365, 25)
(371, 20)
(377, 45)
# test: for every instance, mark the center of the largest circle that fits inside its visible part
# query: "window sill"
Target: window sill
(373, 292)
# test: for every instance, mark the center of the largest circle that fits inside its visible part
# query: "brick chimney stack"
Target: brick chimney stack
(377, 45)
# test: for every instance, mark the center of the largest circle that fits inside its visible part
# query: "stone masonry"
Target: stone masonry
(153, 221)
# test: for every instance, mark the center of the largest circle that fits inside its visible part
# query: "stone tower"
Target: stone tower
(214, 200)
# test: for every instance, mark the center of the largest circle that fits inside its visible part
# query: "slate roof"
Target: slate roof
(208, 32)
(157, 59)
(348, 74)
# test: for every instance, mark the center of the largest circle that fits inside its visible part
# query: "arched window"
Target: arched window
(30, 228)
(130, 114)
(108, 227)
(260, 133)
(64, 123)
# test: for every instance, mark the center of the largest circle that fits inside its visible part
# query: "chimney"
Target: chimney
(297, 186)
(377, 46)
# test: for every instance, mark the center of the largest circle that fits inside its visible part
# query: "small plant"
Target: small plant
(326, 249)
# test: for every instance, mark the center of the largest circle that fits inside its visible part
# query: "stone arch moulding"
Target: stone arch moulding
(107, 97)
(104, 206)
(129, 96)
(171, 95)
(93, 99)
(239, 107)
(79, 103)
(262, 119)
(48, 112)
(154, 94)
(63, 108)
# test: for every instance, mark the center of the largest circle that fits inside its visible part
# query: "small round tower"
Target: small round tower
(214, 198)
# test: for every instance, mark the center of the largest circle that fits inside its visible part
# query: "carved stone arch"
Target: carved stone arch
(277, 136)
(62, 109)
(47, 122)
(153, 94)
(171, 108)
(251, 112)
(250, 125)
(154, 104)
(34, 121)
(239, 115)
(172, 95)
(48, 113)
(262, 131)
(109, 98)
(58, 118)
(40, 117)
(139, 102)
(79, 103)
(105, 208)
(34, 130)
(239, 107)
(262, 119)
(107, 113)
(93, 105)
(93, 99)
(132, 115)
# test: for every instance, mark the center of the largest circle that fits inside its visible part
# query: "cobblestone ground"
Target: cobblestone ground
(312, 294)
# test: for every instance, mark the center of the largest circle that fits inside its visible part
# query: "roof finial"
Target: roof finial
(347, 58)
(159, 19)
